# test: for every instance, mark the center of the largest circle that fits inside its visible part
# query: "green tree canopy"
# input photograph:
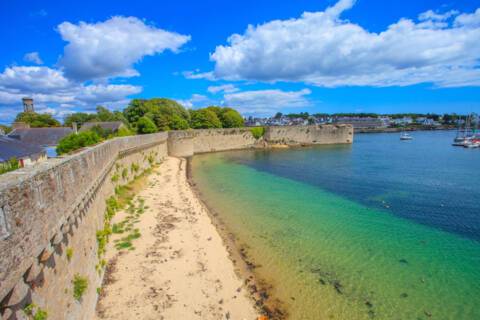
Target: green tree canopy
(79, 118)
(166, 114)
(230, 118)
(205, 119)
(146, 125)
(37, 120)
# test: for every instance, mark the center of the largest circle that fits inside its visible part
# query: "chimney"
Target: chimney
(74, 127)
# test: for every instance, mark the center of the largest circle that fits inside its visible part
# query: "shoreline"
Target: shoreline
(259, 290)
(178, 267)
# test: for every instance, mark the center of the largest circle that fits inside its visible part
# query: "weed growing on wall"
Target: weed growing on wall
(257, 132)
(69, 253)
(80, 285)
(32, 311)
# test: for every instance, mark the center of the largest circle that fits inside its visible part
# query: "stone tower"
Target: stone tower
(28, 105)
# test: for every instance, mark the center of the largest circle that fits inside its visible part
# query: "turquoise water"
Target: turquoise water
(382, 229)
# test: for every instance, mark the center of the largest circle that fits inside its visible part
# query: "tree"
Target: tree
(79, 118)
(205, 119)
(37, 120)
(165, 113)
(231, 118)
(278, 115)
(145, 125)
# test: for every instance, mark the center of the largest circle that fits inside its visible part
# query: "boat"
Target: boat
(465, 133)
(405, 136)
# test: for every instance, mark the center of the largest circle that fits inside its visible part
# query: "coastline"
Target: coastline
(258, 289)
(179, 266)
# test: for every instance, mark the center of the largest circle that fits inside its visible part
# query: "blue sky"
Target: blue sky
(258, 56)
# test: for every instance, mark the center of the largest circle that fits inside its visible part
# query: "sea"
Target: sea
(380, 229)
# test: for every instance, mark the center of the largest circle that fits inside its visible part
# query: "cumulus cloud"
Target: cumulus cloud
(266, 102)
(111, 48)
(322, 49)
(33, 57)
(48, 85)
(227, 88)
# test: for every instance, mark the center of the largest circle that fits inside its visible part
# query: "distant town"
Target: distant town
(363, 120)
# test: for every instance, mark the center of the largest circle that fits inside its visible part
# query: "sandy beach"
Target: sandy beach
(178, 268)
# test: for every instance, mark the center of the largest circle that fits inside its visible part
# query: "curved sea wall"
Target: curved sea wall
(50, 213)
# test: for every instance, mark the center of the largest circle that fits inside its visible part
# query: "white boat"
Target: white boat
(405, 136)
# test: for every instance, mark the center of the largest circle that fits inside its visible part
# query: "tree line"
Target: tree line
(145, 116)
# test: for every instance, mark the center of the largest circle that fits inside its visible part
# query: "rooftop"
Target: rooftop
(10, 148)
(40, 136)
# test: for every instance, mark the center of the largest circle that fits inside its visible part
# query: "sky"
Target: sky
(261, 56)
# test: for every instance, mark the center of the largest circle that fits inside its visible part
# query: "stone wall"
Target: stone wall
(57, 205)
(317, 134)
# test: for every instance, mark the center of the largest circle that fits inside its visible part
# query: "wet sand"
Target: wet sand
(179, 267)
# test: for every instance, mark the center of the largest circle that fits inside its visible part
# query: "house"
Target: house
(42, 137)
(25, 153)
(112, 126)
(362, 122)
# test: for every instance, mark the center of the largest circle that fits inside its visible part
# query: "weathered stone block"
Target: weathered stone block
(33, 272)
(18, 294)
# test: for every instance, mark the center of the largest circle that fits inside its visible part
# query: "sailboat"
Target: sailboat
(464, 133)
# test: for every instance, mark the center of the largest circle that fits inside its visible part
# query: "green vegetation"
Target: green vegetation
(102, 114)
(229, 118)
(9, 165)
(257, 132)
(37, 120)
(146, 125)
(32, 311)
(74, 141)
(80, 285)
(124, 173)
(166, 114)
(6, 129)
(205, 119)
(69, 253)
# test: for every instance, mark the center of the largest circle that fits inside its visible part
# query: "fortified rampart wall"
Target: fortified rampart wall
(58, 206)
(319, 134)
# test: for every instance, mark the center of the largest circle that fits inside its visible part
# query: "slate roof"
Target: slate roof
(111, 125)
(44, 137)
(10, 148)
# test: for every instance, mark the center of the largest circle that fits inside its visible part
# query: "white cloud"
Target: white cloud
(468, 20)
(322, 49)
(266, 102)
(227, 88)
(33, 79)
(196, 101)
(33, 57)
(49, 86)
(111, 48)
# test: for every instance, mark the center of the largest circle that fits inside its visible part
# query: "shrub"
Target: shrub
(9, 165)
(75, 141)
(146, 125)
(257, 132)
(80, 285)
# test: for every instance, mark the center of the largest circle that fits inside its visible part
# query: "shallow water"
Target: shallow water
(382, 229)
